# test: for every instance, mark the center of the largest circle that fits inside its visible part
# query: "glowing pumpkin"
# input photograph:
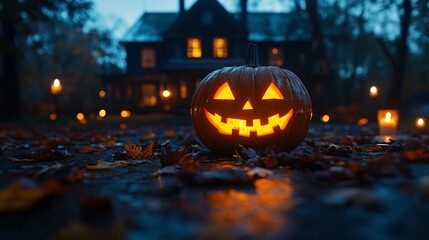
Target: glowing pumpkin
(251, 105)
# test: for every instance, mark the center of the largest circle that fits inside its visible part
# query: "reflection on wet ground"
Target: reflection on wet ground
(261, 211)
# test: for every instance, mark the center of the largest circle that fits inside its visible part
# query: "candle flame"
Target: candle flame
(388, 117)
(420, 122)
(57, 83)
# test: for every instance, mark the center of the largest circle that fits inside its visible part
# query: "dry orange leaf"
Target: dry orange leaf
(135, 152)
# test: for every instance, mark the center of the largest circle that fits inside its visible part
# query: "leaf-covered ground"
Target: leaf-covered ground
(156, 181)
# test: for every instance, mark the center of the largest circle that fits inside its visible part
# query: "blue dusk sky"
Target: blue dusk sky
(119, 15)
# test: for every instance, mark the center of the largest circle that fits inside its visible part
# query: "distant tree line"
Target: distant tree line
(47, 39)
(365, 42)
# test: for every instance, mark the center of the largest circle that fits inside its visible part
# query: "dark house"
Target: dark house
(175, 51)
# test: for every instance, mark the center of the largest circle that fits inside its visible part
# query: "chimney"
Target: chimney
(181, 7)
(243, 15)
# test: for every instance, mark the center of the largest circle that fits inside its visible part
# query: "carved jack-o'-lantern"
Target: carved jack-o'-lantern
(251, 105)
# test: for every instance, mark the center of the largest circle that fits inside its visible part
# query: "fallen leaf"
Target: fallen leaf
(150, 135)
(135, 152)
(103, 165)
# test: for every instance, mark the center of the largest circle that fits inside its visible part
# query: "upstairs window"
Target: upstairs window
(148, 58)
(194, 48)
(220, 47)
(275, 56)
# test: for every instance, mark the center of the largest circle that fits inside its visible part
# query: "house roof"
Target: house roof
(262, 26)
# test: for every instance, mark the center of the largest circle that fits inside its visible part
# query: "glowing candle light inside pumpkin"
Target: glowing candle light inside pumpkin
(420, 122)
(373, 91)
(387, 121)
(56, 87)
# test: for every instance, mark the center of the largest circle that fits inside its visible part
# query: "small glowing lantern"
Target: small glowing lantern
(387, 121)
(166, 93)
(373, 91)
(102, 113)
(125, 114)
(251, 105)
(53, 116)
(362, 121)
(56, 87)
(80, 116)
(102, 94)
(420, 123)
(325, 118)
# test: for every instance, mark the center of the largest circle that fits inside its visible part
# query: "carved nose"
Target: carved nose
(247, 106)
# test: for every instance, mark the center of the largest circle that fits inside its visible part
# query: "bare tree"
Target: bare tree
(398, 58)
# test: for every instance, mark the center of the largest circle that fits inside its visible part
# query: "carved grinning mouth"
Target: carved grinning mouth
(239, 125)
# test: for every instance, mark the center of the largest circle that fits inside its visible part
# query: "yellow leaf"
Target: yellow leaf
(111, 143)
(170, 134)
(150, 135)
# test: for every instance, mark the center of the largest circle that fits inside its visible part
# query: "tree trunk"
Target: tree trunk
(399, 59)
(10, 87)
(313, 13)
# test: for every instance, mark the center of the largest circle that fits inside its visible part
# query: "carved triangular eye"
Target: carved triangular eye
(224, 93)
(272, 93)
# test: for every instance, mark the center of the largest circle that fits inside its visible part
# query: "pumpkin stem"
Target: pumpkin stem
(252, 56)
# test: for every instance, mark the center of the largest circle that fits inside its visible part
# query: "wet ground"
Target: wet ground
(67, 181)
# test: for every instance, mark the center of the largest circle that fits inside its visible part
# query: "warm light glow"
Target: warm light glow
(166, 93)
(224, 93)
(387, 121)
(373, 91)
(362, 121)
(388, 117)
(125, 114)
(53, 116)
(56, 87)
(272, 93)
(275, 51)
(102, 113)
(247, 106)
(257, 212)
(227, 127)
(123, 126)
(220, 48)
(325, 118)
(102, 94)
(194, 48)
(80, 116)
(57, 83)
(420, 122)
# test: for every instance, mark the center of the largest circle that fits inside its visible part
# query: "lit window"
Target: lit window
(220, 47)
(148, 58)
(148, 95)
(183, 90)
(275, 56)
(194, 48)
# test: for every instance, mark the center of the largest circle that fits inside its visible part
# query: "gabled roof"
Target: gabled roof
(150, 27)
(262, 26)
